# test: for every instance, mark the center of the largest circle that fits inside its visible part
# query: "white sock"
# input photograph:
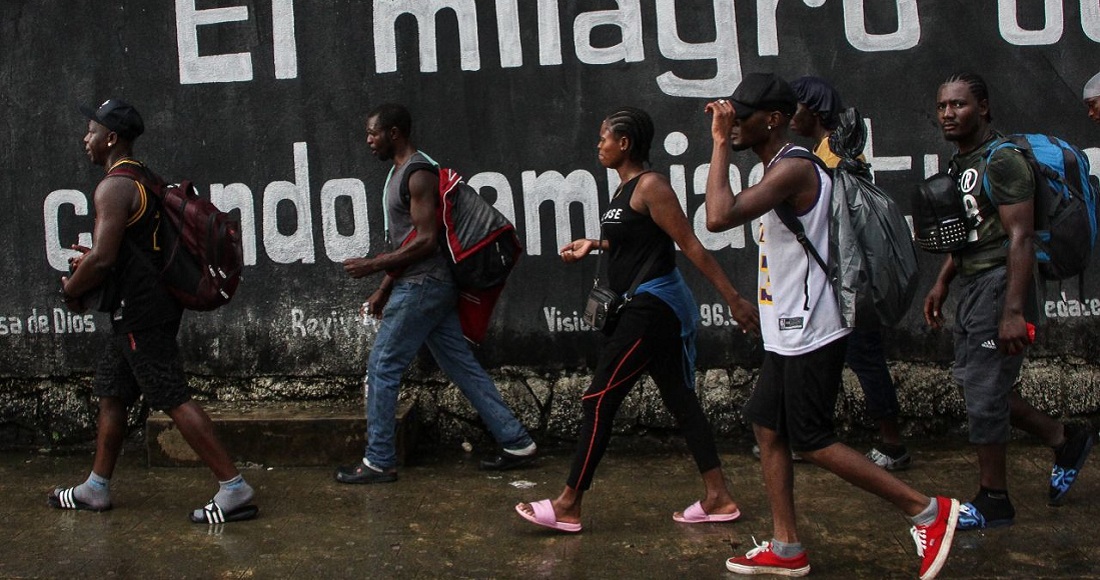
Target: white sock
(523, 451)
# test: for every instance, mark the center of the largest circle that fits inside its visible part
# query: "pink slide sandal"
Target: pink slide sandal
(694, 514)
(544, 516)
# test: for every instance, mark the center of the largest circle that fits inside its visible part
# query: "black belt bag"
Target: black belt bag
(602, 309)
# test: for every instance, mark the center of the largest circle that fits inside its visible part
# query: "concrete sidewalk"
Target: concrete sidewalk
(446, 519)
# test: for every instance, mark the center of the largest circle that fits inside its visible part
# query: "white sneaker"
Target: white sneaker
(888, 463)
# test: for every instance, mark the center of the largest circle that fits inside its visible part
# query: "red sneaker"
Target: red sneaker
(934, 540)
(761, 560)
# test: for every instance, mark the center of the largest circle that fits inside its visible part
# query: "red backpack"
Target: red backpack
(203, 255)
(481, 246)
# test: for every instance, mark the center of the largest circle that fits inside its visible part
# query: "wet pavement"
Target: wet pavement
(446, 519)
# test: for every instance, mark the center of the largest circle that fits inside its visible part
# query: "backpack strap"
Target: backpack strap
(406, 195)
(799, 153)
(431, 165)
(146, 181)
(786, 213)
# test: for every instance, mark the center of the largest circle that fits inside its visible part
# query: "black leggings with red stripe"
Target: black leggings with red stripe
(647, 339)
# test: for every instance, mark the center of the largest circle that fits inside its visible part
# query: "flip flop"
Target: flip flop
(65, 499)
(694, 514)
(544, 516)
(212, 514)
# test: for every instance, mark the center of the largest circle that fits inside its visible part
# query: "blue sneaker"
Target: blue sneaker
(972, 519)
(1069, 460)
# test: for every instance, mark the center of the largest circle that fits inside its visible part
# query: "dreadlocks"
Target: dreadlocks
(977, 87)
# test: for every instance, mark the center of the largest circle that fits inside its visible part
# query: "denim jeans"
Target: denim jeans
(426, 313)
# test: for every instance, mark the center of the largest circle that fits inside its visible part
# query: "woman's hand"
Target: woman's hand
(576, 250)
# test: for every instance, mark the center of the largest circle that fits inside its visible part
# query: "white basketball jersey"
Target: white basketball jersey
(798, 310)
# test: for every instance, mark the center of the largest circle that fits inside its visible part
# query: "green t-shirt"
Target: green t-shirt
(1010, 181)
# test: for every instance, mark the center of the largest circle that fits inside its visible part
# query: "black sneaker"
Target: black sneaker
(1068, 461)
(360, 473)
(504, 461)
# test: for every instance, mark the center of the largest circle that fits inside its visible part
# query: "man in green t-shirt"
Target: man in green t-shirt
(995, 268)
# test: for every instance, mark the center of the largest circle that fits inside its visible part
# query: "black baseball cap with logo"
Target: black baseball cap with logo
(763, 92)
(118, 116)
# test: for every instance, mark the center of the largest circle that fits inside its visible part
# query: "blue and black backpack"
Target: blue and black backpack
(1065, 202)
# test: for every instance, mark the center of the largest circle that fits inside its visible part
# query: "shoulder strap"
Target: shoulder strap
(983, 163)
(799, 153)
(431, 165)
(411, 169)
(141, 175)
(786, 214)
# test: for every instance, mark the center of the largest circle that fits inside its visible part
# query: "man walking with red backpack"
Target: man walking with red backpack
(417, 303)
(119, 275)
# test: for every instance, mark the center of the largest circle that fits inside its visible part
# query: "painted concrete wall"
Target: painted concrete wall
(263, 104)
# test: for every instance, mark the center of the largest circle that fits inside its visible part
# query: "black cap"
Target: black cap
(763, 91)
(118, 116)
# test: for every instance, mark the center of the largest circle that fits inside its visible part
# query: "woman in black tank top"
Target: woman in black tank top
(655, 330)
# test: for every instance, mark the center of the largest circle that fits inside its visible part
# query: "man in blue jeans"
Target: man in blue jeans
(417, 303)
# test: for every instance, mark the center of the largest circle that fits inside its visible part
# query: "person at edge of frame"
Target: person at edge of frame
(995, 268)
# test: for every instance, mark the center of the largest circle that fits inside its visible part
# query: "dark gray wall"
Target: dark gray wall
(263, 103)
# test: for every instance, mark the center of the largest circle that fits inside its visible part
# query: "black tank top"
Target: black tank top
(632, 238)
(142, 300)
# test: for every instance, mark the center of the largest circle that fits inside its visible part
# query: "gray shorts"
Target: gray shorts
(984, 373)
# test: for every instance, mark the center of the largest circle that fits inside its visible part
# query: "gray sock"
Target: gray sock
(785, 550)
(233, 494)
(927, 516)
(95, 491)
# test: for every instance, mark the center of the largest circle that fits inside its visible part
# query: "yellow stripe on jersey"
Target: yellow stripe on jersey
(141, 206)
(765, 289)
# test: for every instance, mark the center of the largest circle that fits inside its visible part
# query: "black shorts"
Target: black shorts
(796, 396)
(143, 362)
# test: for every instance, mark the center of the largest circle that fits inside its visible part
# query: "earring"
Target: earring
(769, 127)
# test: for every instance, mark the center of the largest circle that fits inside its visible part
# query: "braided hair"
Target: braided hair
(636, 125)
(977, 87)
